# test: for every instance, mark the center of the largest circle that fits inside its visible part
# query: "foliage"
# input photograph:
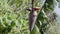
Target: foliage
(44, 19)
(58, 0)
(14, 17)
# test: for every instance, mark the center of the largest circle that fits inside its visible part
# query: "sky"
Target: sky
(57, 11)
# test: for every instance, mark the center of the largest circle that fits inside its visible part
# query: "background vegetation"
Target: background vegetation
(14, 17)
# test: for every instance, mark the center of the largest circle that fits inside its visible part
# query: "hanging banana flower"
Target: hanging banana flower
(32, 17)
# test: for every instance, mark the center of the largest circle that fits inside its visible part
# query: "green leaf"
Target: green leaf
(58, 0)
(35, 30)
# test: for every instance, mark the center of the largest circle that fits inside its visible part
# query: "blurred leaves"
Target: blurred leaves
(58, 0)
(35, 30)
(14, 17)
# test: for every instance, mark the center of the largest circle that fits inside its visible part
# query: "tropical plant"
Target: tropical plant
(14, 17)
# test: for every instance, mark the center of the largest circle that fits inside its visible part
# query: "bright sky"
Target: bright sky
(57, 11)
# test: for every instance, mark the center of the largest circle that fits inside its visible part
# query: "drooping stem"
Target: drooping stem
(32, 5)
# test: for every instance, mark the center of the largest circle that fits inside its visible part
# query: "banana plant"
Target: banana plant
(42, 16)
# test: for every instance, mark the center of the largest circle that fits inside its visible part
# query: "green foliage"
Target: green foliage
(43, 20)
(35, 30)
(58, 0)
(14, 17)
(49, 5)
